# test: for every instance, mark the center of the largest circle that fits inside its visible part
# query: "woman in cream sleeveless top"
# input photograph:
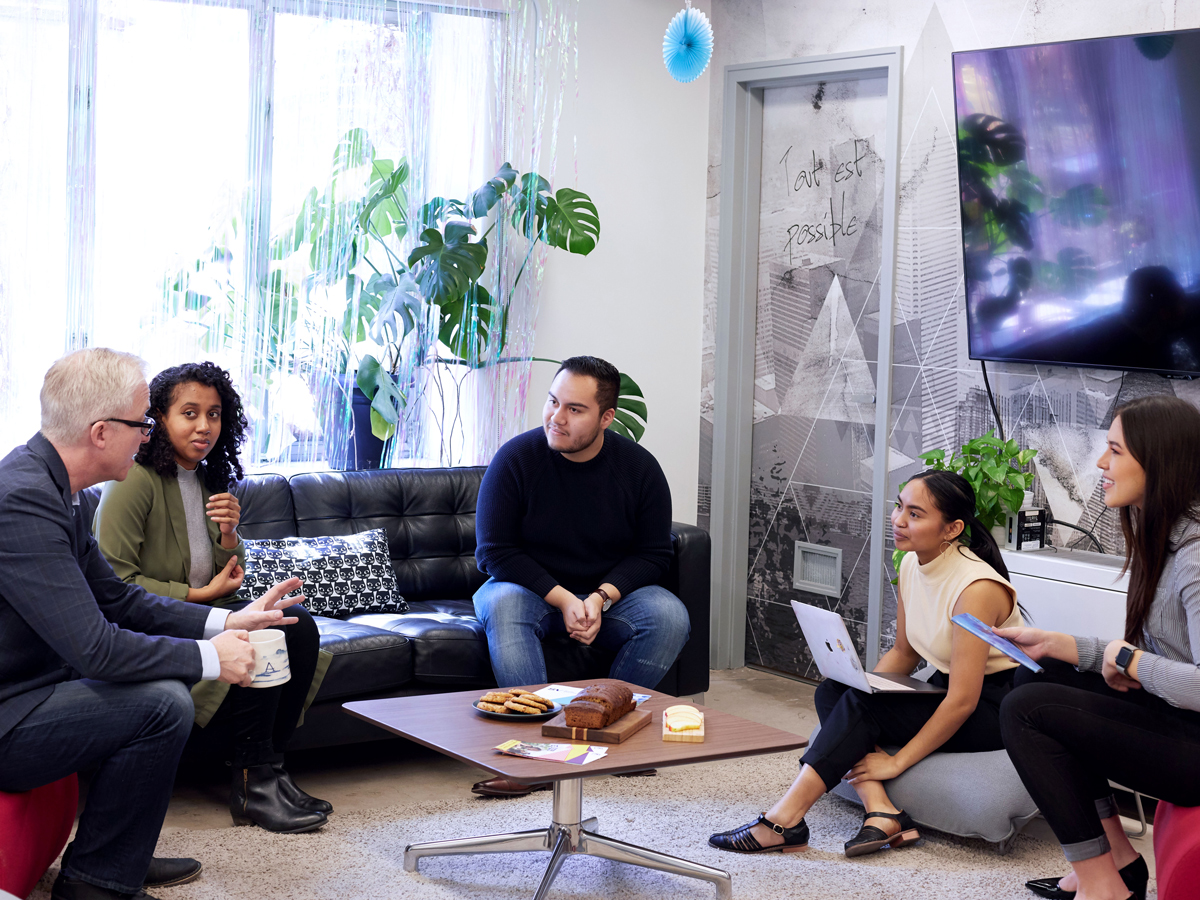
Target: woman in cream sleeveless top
(930, 593)
(953, 566)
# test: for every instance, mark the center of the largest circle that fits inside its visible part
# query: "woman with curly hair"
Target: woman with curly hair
(171, 527)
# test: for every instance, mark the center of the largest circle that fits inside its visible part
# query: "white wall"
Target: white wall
(640, 152)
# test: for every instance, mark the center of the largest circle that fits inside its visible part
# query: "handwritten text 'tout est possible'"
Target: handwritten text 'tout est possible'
(832, 223)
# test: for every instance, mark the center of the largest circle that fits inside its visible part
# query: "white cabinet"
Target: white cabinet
(1073, 591)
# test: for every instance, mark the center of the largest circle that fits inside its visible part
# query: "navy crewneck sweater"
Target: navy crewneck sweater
(543, 520)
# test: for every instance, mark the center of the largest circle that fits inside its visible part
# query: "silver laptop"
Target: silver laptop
(836, 658)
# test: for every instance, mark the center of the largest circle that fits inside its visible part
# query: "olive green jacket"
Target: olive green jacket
(141, 528)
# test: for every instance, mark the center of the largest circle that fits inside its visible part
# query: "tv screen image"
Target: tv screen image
(1079, 172)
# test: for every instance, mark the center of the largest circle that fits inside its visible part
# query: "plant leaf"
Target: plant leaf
(620, 429)
(635, 428)
(381, 427)
(353, 150)
(529, 210)
(447, 267)
(628, 388)
(481, 200)
(439, 209)
(368, 371)
(572, 222)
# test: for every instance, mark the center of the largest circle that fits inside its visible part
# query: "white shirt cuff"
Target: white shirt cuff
(215, 623)
(210, 660)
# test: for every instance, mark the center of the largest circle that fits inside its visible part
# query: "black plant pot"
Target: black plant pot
(365, 450)
(349, 443)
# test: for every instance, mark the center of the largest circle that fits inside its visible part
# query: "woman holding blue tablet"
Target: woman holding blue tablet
(1126, 709)
(952, 566)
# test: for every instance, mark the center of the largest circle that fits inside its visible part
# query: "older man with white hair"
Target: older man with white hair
(94, 671)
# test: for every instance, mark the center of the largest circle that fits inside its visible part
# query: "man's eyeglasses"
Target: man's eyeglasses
(146, 426)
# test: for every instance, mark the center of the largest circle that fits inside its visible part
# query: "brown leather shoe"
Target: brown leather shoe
(506, 787)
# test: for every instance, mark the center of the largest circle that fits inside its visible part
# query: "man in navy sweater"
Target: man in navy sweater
(574, 527)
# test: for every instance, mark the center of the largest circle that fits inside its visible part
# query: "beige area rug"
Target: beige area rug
(360, 855)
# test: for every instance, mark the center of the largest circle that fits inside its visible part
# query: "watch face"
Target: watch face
(1124, 656)
(607, 604)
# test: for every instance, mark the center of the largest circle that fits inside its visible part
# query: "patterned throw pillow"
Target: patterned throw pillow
(343, 576)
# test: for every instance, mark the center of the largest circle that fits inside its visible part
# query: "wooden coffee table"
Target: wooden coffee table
(449, 724)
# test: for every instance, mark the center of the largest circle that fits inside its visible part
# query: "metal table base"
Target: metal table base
(569, 833)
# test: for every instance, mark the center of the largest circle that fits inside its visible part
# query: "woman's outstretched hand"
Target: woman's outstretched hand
(877, 766)
(1040, 644)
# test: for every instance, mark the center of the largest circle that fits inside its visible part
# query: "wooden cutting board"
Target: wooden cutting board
(629, 724)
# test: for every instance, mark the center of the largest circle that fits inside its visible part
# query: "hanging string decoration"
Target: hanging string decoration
(688, 44)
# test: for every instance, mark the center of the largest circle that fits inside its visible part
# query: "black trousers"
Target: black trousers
(256, 722)
(854, 722)
(1068, 733)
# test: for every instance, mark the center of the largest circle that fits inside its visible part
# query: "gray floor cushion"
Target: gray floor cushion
(977, 795)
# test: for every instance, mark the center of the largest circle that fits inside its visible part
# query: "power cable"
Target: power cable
(992, 400)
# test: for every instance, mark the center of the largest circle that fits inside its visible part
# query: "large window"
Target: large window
(196, 135)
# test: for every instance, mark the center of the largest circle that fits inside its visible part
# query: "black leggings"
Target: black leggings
(1068, 733)
(262, 719)
(854, 722)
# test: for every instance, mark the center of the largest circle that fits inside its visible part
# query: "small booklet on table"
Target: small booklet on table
(575, 754)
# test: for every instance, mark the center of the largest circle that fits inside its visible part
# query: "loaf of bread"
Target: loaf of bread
(599, 705)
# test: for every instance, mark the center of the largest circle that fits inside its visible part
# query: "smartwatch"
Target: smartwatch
(607, 599)
(1124, 658)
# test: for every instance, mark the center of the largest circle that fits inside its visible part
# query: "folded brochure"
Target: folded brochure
(574, 754)
(561, 692)
(981, 630)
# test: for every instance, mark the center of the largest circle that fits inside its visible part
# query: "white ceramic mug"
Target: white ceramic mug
(270, 658)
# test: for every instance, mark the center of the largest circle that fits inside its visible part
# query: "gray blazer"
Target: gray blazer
(63, 613)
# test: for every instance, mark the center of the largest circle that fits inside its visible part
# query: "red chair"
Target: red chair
(34, 827)
(1177, 851)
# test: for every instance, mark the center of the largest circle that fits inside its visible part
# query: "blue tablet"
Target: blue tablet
(1004, 645)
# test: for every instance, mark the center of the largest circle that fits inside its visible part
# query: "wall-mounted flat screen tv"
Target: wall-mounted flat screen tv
(1079, 172)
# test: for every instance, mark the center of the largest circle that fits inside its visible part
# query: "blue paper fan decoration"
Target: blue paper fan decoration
(688, 44)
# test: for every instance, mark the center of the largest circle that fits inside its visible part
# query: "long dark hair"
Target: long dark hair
(955, 499)
(1162, 433)
(221, 468)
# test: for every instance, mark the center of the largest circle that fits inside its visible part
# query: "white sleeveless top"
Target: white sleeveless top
(929, 593)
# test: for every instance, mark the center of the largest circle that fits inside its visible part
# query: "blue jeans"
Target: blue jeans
(135, 733)
(646, 630)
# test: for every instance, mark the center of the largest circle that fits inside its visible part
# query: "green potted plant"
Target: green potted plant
(995, 470)
(350, 239)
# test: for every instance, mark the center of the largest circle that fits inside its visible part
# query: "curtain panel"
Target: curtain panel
(245, 180)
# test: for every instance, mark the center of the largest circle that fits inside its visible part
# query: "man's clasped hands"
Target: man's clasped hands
(581, 617)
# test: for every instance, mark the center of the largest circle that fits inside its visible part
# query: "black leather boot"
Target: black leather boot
(296, 795)
(256, 797)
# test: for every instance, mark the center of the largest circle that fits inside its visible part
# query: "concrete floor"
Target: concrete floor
(390, 772)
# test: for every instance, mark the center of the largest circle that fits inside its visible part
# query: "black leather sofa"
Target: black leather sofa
(439, 645)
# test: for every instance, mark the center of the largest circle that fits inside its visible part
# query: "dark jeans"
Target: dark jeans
(853, 723)
(1068, 733)
(256, 717)
(134, 733)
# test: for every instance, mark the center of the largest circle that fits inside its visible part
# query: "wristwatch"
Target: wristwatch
(1124, 658)
(608, 601)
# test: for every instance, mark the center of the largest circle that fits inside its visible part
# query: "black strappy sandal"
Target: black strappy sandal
(869, 838)
(741, 840)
